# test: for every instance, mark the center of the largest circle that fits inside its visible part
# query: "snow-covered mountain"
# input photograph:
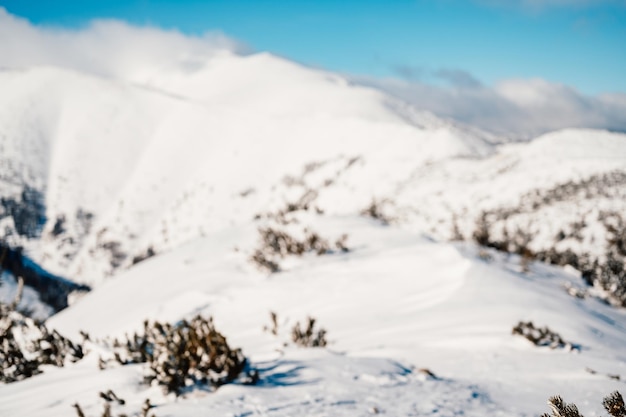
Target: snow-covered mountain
(183, 166)
(124, 167)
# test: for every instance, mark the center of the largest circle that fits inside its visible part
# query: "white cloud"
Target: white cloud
(105, 47)
(517, 107)
(117, 49)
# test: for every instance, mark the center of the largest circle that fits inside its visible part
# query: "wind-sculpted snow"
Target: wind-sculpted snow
(395, 295)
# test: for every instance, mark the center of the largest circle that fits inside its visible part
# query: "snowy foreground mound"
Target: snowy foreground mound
(395, 304)
(154, 192)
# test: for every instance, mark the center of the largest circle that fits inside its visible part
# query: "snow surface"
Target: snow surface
(158, 163)
(397, 303)
(182, 162)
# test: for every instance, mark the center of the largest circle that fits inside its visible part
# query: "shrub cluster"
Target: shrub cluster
(613, 404)
(183, 355)
(276, 244)
(607, 185)
(607, 273)
(541, 336)
(26, 345)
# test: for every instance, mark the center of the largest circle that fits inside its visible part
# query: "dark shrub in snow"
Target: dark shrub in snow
(613, 403)
(276, 244)
(184, 355)
(106, 408)
(26, 345)
(541, 336)
(308, 336)
(376, 210)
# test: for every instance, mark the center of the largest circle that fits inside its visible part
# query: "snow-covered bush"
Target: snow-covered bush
(613, 404)
(26, 345)
(183, 355)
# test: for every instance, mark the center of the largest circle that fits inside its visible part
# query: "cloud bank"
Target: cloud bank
(519, 107)
(106, 47)
(515, 107)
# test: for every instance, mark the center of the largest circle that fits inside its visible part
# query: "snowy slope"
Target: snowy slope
(564, 190)
(395, 304)
(126, 167)
(189, 163)
(128, 156)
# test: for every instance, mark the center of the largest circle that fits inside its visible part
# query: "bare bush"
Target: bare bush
(376, 210)
(106, 408)
(264, 262)
(541, 336)
(273, 329)
(308, 336)
(142, 256)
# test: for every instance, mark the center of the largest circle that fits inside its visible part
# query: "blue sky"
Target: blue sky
(581, 43)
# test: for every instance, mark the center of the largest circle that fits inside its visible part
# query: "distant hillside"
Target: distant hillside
(120, 168)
